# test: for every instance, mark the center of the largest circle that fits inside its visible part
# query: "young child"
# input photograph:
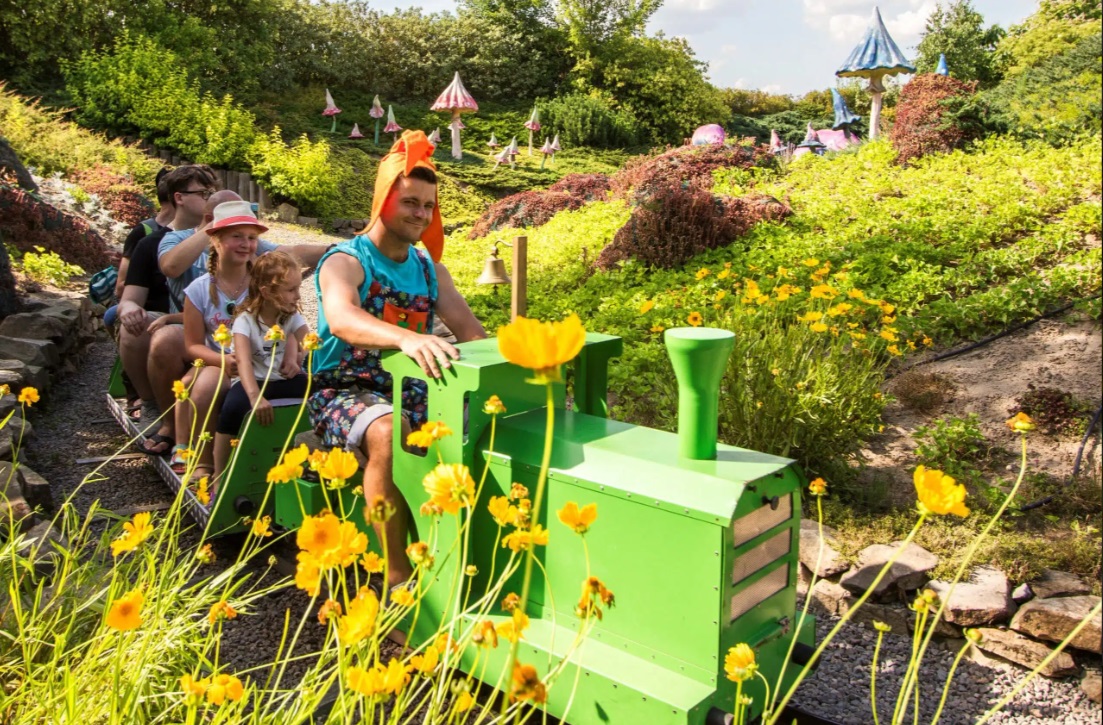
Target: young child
(269, 369)
(209, 302)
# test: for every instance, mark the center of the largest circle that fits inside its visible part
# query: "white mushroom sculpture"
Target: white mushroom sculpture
(377, 113)
(331, 110)
(493, 142)
(392, 125)
(457, 100)
(356, 131)
(434, 137)
(533, 124)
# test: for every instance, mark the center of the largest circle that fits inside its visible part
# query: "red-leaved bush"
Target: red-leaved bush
(679, 222)
(642, 177)
(123, 199)
(587, 186)
(27, 222)
(925, 119)
(526, 209)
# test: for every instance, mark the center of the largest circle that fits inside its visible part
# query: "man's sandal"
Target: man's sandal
(146, 446)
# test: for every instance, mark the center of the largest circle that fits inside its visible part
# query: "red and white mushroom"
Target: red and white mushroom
(533, 124)
(356, 131)
(377, 113)
(331, 110)
(456, 99)
(392, 126)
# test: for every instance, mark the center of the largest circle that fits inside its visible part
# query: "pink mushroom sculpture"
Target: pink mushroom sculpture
(533, 124)
(457, 100)
(356, 131)
(331, 110)
(554, 148)
(502, 157)
(377, 113)
(434, 137)
(493, 142)
(710, 133)
(392, 126)
(775, 143)
(547, 150)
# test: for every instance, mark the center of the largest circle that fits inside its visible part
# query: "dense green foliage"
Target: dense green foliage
(958, 31)
(1056, 26)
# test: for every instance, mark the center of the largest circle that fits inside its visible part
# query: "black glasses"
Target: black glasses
(205, 193)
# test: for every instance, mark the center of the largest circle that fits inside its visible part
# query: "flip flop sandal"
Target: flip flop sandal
(134, 410)
(143, 446)
(177, 462)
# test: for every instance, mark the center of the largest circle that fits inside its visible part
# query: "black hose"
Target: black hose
(974, 345)
(1075, 466)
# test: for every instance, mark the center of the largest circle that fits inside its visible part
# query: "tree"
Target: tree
(958, 31)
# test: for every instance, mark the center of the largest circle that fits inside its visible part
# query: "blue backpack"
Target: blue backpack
(101, 288)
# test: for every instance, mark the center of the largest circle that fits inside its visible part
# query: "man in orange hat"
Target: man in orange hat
(380, 292)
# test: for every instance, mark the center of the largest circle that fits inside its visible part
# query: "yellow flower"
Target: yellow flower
(359, 623)
(205, 554)
(283, 473)
(526, 684)
(193, 687)
(485, 635)
(224, 687)
(220, 610)
(786, 291)
(939, 494)
(471, 570)
(889, 334)
(366, 682)
(330, 610)
(819, 327)
(403, 597)
(464, 701)
(222, 336)
(657, 328)
(234, 442)
(419, 554)
(311, 342)
(823, 291)
(339, 466)
(518, 491)
(817, 487)
(511, 602)
(1021, 423)
(810, 316)
(881, 626)
(198, 363)
(647, 306)
(203, 490)
(886, 308)
(274, 334)
(308, 575)
(739, 663)
(542, 346)
(134, 533)
(695, 319)
(811, 262)
(261, 527)
(927, 342)
(297, 456)
(330, 541)
(126, 611)
(430, 431)
(579, 520)
(28, 396)
(502, 511)
(493, 406)
(379, 511)
(894, 351)
(426, 662)
(721, 295)
(372, 562)
(702, 273)
(514, 628)
(888, 320)
(520, 540)
(180, 390)
(840, 309)
(974, 635)
(594, 594)
(723, 274)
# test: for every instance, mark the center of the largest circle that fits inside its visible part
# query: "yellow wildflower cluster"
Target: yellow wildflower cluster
(216, 690)
(379, 681)
(429, 433)
(326, 542)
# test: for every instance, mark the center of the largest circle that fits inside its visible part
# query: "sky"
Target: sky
(784, 46)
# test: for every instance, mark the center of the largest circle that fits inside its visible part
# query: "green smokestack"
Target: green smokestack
(699, 355)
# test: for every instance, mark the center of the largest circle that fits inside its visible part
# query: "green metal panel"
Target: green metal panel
(115, 387)
(247, 475)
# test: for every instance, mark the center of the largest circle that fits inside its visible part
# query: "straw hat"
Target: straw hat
(234, 214)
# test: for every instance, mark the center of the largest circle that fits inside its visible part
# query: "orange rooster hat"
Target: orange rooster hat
(411, 150)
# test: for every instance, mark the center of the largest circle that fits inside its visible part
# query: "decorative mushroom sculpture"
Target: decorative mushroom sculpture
(547, 150)
(776, 147)
(503, 157)
(514, 151)
(710, 133)
(493, 142)
(356, 131)
(331, 110)
(533, 124)
(456, 99)
(554, 148)
(377, 113)
(811, 143)
(874, 58)
(942, 69)
(434, 137)
(392, 126)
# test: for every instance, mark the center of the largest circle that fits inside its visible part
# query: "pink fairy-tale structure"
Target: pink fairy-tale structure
(776, 147)
(457, 100)
(331, 110)
(355, 133)
(377, 113)
(810, 144)
(392, 126)
(533, 124)
(710, 133)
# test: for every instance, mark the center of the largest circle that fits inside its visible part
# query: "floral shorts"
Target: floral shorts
(342, 416)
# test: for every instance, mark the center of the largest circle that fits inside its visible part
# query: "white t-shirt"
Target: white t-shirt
(215, 313)
(265, 350)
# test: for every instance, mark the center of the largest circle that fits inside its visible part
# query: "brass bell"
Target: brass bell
(494, 271)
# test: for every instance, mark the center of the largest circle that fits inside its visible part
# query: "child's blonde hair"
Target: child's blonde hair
(268, 272)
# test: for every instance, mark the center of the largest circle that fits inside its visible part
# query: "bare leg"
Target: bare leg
(134, 353)
(166, 366)
(206, 393)
(379, 481)
(222, 453)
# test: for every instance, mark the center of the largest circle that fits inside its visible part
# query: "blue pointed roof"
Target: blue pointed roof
(876, 55)
(811, 139)
(942, 69)
(843, 114)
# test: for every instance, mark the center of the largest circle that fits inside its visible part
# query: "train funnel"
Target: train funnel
(699, 356)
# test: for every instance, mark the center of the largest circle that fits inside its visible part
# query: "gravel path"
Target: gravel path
(74, 423)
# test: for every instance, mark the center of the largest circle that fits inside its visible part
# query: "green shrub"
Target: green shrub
(589, 120)
(951, 444)
(47, 267)
(301, 171)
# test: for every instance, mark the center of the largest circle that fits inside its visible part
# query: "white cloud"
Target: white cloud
(847, 27)
(728, 49)
(772, 88)
(690, 17)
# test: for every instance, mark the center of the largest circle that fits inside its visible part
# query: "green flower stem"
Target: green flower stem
(843, 620)
(949, 678)
(969, 554)
(873, 677)
(900, 709)
(740, 708)
(1041, 665)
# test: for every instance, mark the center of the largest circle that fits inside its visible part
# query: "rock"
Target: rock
(16, 509)
(38, 546)
(287, 213)
(9, 161)
(830, 598)
(1092, 685)
(1022, 594)
(10, 483)
(37, 376)
(894, 616)
(984, 599)
(832, 562)
(36, 489)
(12, 379)
(1025, 651)
(308, 221)
(35, 326)
(42, 353)
(10, 404)
(909, 571)
(1053, 620)
(1053, 583)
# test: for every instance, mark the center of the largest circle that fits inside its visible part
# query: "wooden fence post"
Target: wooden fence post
(519, 291)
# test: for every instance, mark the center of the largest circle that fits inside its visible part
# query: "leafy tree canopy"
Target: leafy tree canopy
(958, 31)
